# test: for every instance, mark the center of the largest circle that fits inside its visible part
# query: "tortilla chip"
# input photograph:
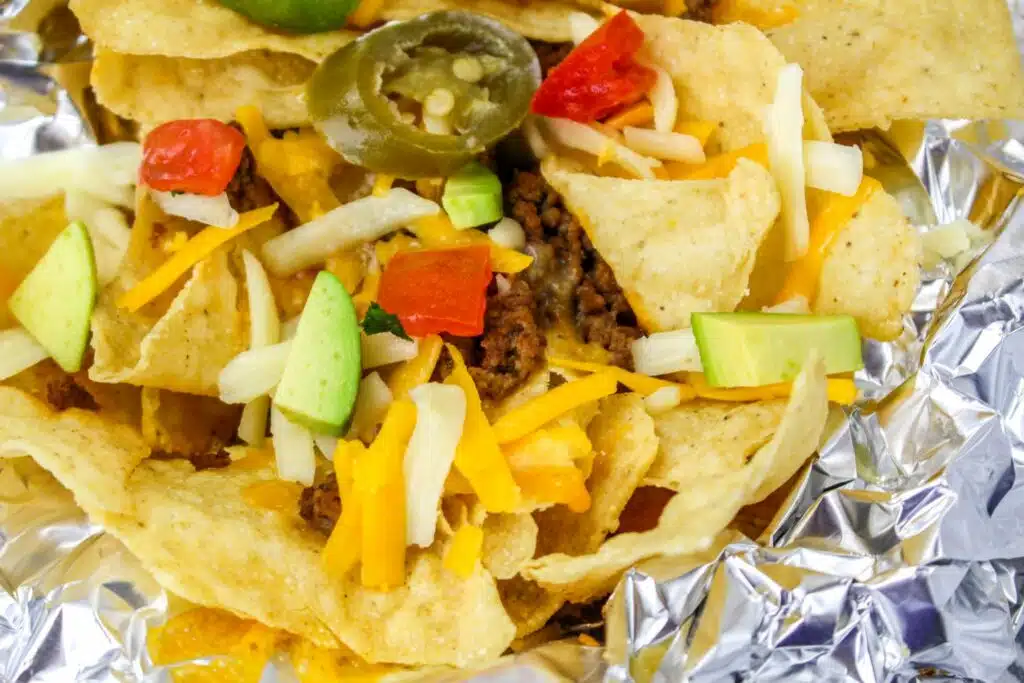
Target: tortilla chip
(872, 270)
(676, 246)
(194, 532)
(153, 89)
(528, 605)
(547, 21)
(509, 543)
(625, 445)
(185, 424)
(693, 518)
(870, 62)
(724, 74)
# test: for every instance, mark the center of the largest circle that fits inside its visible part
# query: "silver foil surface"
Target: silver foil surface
(898, 555)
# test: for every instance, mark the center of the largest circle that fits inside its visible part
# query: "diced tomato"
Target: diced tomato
(438, 290)
(597, 77)
(198, 156)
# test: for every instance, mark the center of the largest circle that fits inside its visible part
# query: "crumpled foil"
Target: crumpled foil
(897, 556)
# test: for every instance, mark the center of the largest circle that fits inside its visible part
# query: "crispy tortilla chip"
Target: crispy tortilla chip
(152, 89)
(547, 21)
(724, 74)
(48, 383)
(27, 228)
(870, 62)
(694, 517)
(185, 424)
(676, 246)
(872, 270)
(509, 543)
(625, 445)
(528, 605)
(199, 538)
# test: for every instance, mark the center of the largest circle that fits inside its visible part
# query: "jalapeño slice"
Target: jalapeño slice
(483, 73)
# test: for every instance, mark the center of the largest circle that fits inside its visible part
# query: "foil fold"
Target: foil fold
(897, 556)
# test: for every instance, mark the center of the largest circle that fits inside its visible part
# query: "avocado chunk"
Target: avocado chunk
(321, 377)
(55, 300)
(754, 349)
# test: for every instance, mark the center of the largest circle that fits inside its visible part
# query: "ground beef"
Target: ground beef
(213, 460)
(550, 55)
(512, 346)
(320, 504)
(63, 393)
(699, 10)
(569, 278)
(248, 191)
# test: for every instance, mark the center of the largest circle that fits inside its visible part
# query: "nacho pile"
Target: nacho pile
(382, 347)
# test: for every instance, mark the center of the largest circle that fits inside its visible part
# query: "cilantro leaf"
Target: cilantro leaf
(377, 320)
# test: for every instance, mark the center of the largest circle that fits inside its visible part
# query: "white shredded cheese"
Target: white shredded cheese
(796, 304)
(386, 348)
(663, 101)
(293, 449)
(326, 444)
(581, 25)
(372, 403)
(534, 138)
(215, 210)
(253, 373)
(264, 330)
(508, 233)
(832, 167)
(784, 131)
(18, 351)
(663, 400)
(665, 352)
(586, 139)
(670, 146)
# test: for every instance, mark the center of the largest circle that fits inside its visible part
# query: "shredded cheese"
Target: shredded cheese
(702, 130)
(386, 249)
(639, 114)
(19, 351)
(803, 275)
(784, 125)
(551, 466)
(642, 384)
(463, 553)
(538, 411)
(720, 165)
(367, 293)
(764, 18)
(381, 184)
(194, 251)
(438, 231)
(343, 548)
(664, 100)
(381, 491)
(366, 13)
(478, 457)
(416, 371)
(840, 390)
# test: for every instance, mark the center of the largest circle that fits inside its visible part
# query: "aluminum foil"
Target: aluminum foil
(898, 555)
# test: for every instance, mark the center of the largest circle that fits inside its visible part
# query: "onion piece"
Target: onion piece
(253, 373)
(663, 100)
(386, 348)
(671, 146)
(347, 226)
(795, 304)
(107, 228)
(252, 426)
(784, 131)
(326, 444)
(372, 403)
(440, 415)
(832, 167)
(584, 138)
(508, 233)
(293, 449)
(215, 211)
(663, 400)
(264, 330)
(581, 25)
(19, 351)
(106, 172)
(665, 352)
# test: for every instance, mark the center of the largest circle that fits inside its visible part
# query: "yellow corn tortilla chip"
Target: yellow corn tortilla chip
(528, 605)
(547, 21)
(186, 424)
(625, 445)
(675, 246)
(724, 74)
(872, 270)
(48, 383)
(870, 62)
(693, 518)
(194, 532)
(509, 542)
(27, 228)
(153, 89)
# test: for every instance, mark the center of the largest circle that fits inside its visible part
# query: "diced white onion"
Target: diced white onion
(253, 373)
(264, 322)
(581, 25)
(946, 241)
(534, 138)
(106, 172)
(18, 351)
(386, 348)
(795, 304)
(372, 404)
(214, 210)
(326, 444)
(832, 167)
(110, 224)
(584, 138)
(508, 233)
(293, 449)
(663, 101)
(347, 226)
(671, 146)
(663, 400)
(252, 427)
(665, 352)
(784, 131)
(107, 228)
(440, 414)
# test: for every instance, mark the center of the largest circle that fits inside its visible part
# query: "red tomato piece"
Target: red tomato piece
(438, 290)
(199, 156)
(598, 76)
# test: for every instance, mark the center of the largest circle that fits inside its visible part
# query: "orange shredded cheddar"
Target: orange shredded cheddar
(385, 249)
(382, 184)
(841, 390)
(838, 210)
(378, 481)
(639, 114)
(554, 484)
(251, 120)
(729, 11)
(538, 411)
(702, 130)
(720, 165)
(478, 457)
(367, 293)
(438, 231)
(276, 495)
(348, 267)
(464, 551)
(588, 641)
(366, 13)
(416, 371)
(344, 546)
(642, 384)
(675, 8)
(195, 250)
